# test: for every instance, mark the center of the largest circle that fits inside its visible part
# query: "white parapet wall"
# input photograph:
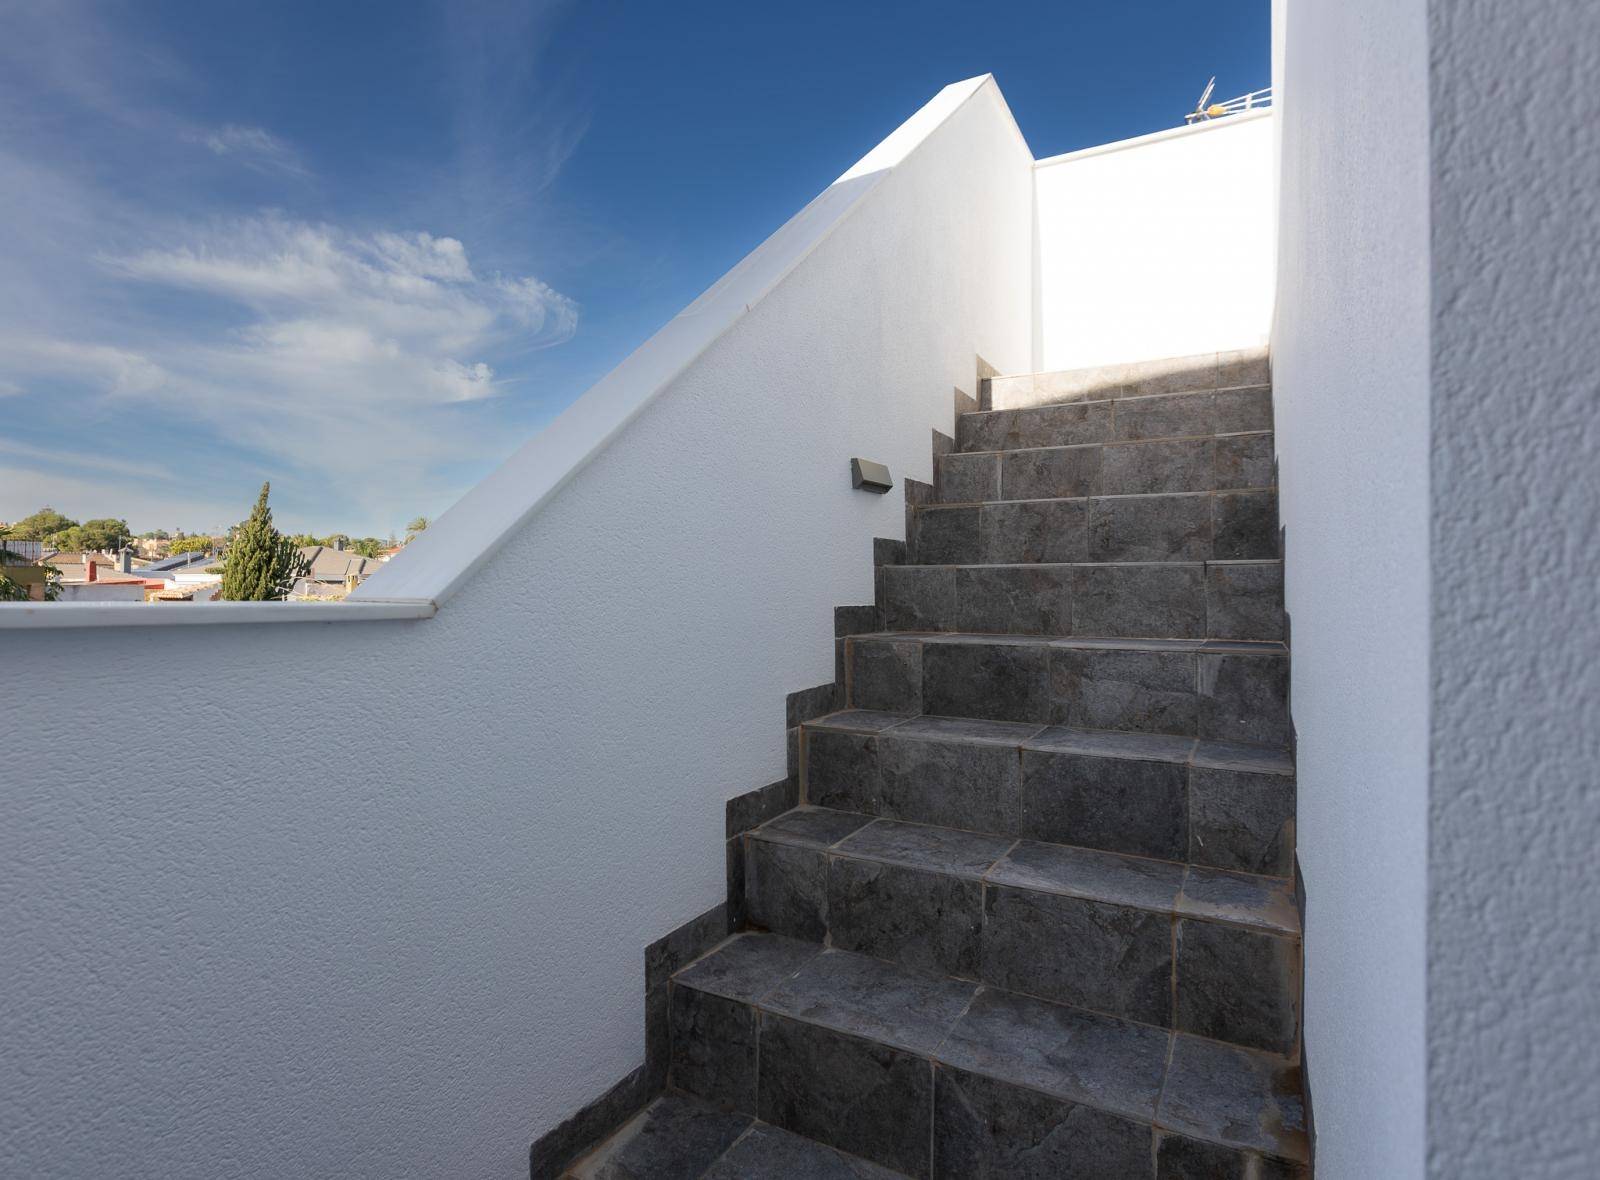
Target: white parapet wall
(371, 901)
(1160, 246)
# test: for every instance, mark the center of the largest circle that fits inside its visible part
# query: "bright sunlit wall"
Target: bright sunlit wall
(1155, 247)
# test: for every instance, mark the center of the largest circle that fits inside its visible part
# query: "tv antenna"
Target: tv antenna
(1206, 110)
(1200, 111)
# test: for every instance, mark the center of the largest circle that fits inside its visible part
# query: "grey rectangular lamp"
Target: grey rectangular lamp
(869, 476)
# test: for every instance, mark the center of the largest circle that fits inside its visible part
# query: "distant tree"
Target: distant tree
(262, 563)
(41, 525)
(155, 535)
(103, 533)
(195, 544)
(367, 546)
(418, 525)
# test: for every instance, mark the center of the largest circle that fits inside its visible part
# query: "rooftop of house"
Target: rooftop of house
(180, 561)
(335, 565)
(107, 567)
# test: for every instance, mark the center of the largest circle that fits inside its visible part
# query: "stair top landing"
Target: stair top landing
(1179, 374)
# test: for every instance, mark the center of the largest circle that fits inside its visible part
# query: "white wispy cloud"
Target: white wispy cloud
(360, 357)
(400, 317)
(349, 349)
(50, 459)
(118, 371)
(254, 147)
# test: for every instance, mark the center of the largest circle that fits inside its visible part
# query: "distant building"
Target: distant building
(180, 563)
(103, 577)
(27, 550)
(334, 565)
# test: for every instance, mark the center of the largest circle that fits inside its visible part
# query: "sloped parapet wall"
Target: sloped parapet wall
(385, 915)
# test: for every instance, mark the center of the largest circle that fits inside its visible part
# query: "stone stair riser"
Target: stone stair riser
(1168, 600)
(926, 1119)
(1229, 462)
(957, 1082)
(1164, 526)
(1233, 696)
(1225, 982)
(1224, 818)
(1231, 411)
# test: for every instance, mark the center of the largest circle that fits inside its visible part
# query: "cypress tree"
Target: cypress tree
(262, 563)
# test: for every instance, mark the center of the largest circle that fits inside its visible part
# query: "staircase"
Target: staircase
(1035, 915)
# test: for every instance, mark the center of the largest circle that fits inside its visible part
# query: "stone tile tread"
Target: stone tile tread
(1137, 882)
(1218, 1093)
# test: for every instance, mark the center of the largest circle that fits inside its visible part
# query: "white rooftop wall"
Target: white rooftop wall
(371, 901)
(1155, 247)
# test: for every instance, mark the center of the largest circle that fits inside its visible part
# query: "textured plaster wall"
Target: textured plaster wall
(370, 900)
(1160, 248)
(1514, 939)
(1350, 376)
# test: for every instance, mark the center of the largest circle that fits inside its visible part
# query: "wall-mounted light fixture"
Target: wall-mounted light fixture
(870, 476)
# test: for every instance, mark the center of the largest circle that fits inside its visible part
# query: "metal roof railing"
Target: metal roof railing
(1205, 109)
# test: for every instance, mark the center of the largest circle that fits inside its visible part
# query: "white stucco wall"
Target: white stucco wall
(1155, 247)
(1513, 932)
(102, 592)
(1350, 386)
(370, 900)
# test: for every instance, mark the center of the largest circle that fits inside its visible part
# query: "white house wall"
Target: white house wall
(1513, 934)
(371, 900)
(1157, 247)
(1350, 393)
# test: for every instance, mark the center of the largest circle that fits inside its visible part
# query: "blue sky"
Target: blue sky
(366, 249)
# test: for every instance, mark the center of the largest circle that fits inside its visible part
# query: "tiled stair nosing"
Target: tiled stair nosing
(1230, 691)
(1110, 442)
(1265, 647)
(938, 505)
(1229, 562)
(763, 1004)
(1095, 496)
(935, 1056)
(989, 875)
(1206, 753)
(1112, 399)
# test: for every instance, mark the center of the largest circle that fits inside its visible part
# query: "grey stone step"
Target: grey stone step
(1220, 690)
(1212, 804)
(939, 1077)
(1197, 949)
(1228, 462)
(1158, 600)
(679, 1137)
(1176, 415)
(1178, 374)
(1170, 526)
